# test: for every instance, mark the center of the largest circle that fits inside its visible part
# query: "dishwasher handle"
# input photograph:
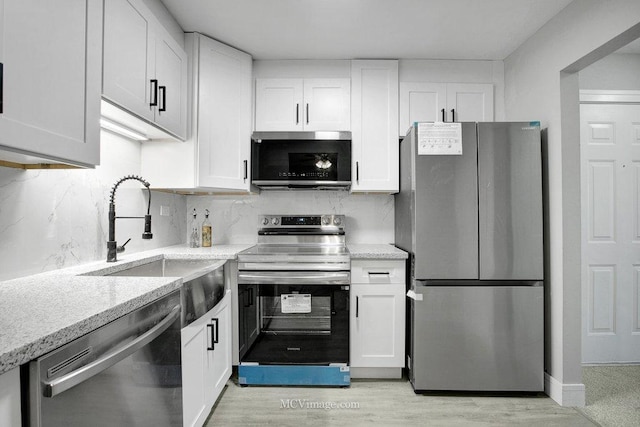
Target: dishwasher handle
(65, 382)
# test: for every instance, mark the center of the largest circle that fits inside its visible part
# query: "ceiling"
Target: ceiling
(347, 29)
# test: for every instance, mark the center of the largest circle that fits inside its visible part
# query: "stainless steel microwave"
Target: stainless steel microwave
(301, 160)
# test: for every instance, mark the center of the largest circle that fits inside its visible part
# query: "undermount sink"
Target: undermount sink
(167, 268)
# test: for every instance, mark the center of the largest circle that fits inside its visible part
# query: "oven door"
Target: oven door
(302, 317)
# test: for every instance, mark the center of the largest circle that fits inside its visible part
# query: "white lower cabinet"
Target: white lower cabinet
(206, 361)
(377, 325)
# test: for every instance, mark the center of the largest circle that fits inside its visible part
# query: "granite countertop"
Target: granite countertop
(376, 251)
(42, 312)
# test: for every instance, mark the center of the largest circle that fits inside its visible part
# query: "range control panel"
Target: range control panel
(301, 221)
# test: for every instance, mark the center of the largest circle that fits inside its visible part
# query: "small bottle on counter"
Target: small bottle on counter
(194, 237)
(206, 230)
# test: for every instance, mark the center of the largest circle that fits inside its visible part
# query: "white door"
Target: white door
(327, 104)
(421, 102)
(171, 73)
(51, 78)
(279, 104)
(126, 69)
(610, 168)
(377, 325)
(374, 126)
(196, 362)
(224, 116)
(468, 102)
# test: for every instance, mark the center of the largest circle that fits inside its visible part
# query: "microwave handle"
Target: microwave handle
(64, 383)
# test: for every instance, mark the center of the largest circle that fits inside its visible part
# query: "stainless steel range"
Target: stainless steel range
(294, 303)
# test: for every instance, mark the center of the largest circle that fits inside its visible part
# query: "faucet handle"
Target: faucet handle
(121, 248)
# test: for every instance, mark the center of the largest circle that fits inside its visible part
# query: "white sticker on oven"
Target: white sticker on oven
(295, 303)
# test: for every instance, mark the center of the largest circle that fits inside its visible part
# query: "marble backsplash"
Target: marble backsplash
(369, 217)
(51, 219)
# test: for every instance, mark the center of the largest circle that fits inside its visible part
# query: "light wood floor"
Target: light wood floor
(385, 403)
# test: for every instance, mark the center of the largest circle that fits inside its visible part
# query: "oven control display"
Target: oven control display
(300, 220)
(295, 303)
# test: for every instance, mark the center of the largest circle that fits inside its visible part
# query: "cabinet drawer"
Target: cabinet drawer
(377, 271)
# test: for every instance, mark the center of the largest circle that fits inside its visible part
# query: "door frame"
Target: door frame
(602, 97)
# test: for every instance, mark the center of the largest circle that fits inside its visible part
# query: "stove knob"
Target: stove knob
(275, 221)
(265, 221)
(337, 221)
(326, 220)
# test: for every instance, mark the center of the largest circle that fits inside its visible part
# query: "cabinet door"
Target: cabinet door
(377, 326)
(171, 74)
(224, 116)
(374, 125)
(50, 77)
(421, 102)
(128, 68)
(470, 102)
(327, 104)
(195, 365)
(279, 105)
(221, 367)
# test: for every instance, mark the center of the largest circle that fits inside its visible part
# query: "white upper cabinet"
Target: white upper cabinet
(374, 126)
(444, 102)
(50, 56)
(222, 104)
(145, 69)
(217, 154)
(303, 104)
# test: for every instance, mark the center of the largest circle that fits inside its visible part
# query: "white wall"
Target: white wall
(535, 87)
(51, 219)
(369, 217)
(618, 71)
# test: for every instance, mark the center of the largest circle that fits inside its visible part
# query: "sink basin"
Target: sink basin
(167, 268)
(203, 282)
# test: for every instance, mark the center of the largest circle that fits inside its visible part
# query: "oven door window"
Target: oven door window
(302, 324)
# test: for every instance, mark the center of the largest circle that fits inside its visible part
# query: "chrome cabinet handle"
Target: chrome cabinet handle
(297, 113)
(154, 93)
(307, 113)
(357, 305)
(358, 172)
(65, 382)
(246, 169)
(163, 91)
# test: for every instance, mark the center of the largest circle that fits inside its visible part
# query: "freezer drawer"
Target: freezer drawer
(477, 338)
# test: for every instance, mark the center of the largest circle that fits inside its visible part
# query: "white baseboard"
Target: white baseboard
(376, 373)
(564, 394)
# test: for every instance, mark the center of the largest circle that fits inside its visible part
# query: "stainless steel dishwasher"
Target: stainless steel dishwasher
(126, 373)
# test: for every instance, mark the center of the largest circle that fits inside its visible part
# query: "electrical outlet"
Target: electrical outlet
(165, 210)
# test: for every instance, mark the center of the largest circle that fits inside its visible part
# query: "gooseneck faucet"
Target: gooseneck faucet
(112, 246)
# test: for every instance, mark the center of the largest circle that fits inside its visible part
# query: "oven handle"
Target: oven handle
(64, 383)
(294, 277)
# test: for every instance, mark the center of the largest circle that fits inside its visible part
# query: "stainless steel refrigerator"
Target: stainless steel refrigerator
(469, 212)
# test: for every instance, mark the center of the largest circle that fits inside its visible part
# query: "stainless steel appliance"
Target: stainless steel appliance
(469, 212)
(301, 160)
(127, 372)
(294, 303)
